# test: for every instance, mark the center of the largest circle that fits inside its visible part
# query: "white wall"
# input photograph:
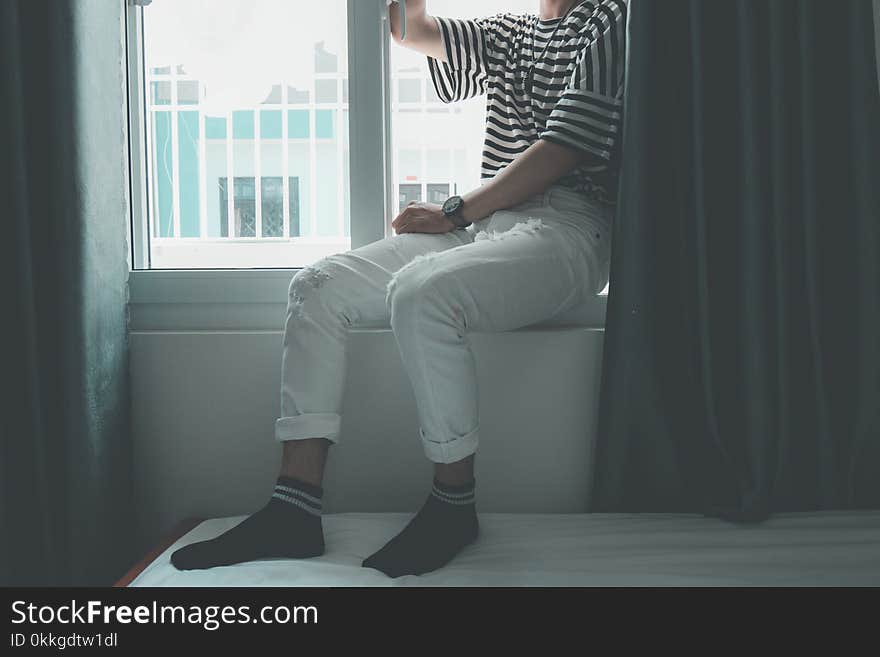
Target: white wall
(205, 403)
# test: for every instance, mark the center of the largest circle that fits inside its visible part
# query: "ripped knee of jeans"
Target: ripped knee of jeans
(306, 282)
(530, 227)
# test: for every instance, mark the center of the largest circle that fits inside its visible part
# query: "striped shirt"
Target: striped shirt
(577, 87)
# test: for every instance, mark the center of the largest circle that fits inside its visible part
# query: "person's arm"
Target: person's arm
(422, 32)
(582, 128)
(532, 172)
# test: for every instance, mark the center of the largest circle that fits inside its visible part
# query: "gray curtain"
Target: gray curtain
(742, 360)
(65, 468)
(877, 35)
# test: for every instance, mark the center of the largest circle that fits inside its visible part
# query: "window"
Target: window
(259, 146)
(257, 92)
(253, 91)
(243, 206)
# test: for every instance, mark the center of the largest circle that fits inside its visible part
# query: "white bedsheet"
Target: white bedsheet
(829, 548)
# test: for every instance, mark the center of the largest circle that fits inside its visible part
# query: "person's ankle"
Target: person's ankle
(458, 474)
(308, 481)
(304, 460)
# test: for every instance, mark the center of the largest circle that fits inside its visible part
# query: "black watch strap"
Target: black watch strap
(458, 220)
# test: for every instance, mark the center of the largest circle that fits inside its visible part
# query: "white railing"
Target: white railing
(253, 168)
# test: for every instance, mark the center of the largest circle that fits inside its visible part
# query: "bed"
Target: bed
(798, 549)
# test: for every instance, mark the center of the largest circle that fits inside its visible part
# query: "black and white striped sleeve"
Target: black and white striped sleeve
(471, 46)
(589, 114)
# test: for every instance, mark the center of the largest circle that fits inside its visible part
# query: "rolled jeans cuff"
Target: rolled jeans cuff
(452, 450)
(308, 425)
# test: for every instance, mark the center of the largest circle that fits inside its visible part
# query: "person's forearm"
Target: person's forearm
(533, 172)
(422, 33)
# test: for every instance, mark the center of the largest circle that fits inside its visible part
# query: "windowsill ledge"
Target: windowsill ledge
(255, 300)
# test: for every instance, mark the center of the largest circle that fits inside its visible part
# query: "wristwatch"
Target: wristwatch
(452, 209)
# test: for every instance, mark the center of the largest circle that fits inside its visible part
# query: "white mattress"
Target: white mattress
(829, 548)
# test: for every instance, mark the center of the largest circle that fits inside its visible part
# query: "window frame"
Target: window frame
(247, 299)
(368, 35)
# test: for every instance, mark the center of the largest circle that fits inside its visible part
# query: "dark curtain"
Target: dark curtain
(742, 361)
(65, 493)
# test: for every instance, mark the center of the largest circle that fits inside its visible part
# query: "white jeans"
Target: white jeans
(515, 268)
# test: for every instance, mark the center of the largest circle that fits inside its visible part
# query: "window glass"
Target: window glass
(254, 91)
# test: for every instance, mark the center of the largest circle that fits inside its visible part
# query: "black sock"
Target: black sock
(446, 523)
(289, 526)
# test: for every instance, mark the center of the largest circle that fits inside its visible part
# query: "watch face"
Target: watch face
(452, 205)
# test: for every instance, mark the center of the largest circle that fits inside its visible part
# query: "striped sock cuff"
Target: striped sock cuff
(300, 494)
(457, 495)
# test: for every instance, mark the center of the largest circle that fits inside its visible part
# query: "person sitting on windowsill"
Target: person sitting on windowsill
(532, 241)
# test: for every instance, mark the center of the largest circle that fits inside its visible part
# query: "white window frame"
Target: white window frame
(249, 299)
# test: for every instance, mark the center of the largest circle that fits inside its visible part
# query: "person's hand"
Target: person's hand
(422, 218)
(415, 6)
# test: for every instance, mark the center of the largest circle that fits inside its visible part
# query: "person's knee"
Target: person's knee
(311, 288)
(421, 290)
